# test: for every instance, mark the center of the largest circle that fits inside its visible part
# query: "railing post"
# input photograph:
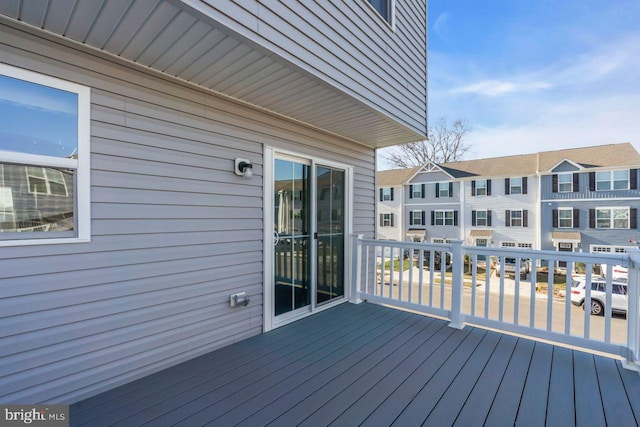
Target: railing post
(356, 267)
(633, 313)
(457, 283)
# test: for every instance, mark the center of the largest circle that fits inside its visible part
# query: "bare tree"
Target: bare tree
(446, 143)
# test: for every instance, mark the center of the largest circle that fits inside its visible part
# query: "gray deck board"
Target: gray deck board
(588, 402)
(371, 365)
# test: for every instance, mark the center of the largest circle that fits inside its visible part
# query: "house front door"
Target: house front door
(309, 231)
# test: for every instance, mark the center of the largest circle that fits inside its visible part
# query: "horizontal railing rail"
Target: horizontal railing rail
(534, 293)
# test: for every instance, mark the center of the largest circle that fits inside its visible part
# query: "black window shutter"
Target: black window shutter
(554, 183)
(506, 186)
(524, 185)
(437, 189)
(592, 181)
(473, 188)
(488, 218)
(633, 218)
(576, 182)
(381, 220)
(473, 218)
(451, 189)
(423, 192)
(633, 179)
(455, 218)
(592, 218)
(391, 193)
(411, 191)
(554, 218)
(381, 197)
(576, 218)
(507, 217)
(433, 218)
(525, 218)
(488, 187)
(393, 222)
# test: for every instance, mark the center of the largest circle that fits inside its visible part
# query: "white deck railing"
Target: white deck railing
(460, 283)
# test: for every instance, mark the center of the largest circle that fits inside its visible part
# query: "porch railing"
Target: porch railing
(470, 284)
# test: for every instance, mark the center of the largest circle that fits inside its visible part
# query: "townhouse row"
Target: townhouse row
(577, 200)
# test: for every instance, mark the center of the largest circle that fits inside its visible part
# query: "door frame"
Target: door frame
(269, 319)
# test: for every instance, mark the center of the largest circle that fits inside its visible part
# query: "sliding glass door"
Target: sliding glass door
(309, 226)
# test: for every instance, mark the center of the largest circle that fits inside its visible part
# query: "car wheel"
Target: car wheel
(596, 308)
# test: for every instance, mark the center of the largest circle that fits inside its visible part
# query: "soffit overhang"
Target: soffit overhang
(176, 40)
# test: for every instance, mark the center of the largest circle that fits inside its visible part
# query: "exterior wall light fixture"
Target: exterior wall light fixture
(243, 168)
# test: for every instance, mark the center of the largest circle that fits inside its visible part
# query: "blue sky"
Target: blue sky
(536, 75)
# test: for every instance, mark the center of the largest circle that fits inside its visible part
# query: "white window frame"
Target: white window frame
(413, 218)
(565, 179)
(511, 219)
(81, 164)
(478, 219)
(612, 218)
(507, 244)
(416, 191)
(386, 194)
(560, 219)
(609, 177)
(391, 22)
(525, 245)
(512, 186)
(606, 249)
(443, 189)
(443, 217)
(386, 220)
(481, 190)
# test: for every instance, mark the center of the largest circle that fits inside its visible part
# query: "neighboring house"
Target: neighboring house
(432, 205)
(391, 200)
(590, 199)
(178, 157)
(581, 199)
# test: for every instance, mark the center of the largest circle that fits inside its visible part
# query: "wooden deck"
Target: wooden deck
(371, 365)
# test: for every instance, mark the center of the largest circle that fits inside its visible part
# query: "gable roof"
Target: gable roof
(601, 156)
(393, 177)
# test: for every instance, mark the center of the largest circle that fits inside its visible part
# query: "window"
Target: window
(515, 186)
(44, 165)
(565, 182)
(387, 220)
(384, 9)
(525, 245)
(565, 218)
(612, 180)
(386, 194)
(416, 191)
(416, 218)
(481, 187)
(481, 218)
(507, 244)
(444, 189)
(612, 218)
(609, 249)
(444, 217)
(516, 218)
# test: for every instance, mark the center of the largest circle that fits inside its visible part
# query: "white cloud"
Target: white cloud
(498, 87)
(439, 26)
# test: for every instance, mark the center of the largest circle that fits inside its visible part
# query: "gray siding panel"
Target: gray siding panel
(174, 231)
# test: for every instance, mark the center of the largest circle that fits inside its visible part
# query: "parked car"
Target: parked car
(510, 267)
(618, 272)
(619, 298)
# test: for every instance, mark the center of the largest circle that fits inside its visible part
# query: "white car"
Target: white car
(510, 267)
(618, 272)
(619, 298)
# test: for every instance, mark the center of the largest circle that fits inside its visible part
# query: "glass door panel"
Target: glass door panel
(330, 225)
(292, 236)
